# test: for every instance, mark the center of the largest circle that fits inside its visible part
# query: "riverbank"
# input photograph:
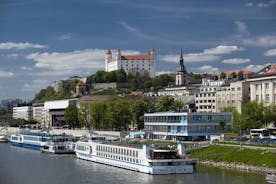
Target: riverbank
(234, 158)
(237, 166)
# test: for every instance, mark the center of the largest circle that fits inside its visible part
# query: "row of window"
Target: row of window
(175, 119)
(205, 101)
(116, 150)
(172, 119)
(205, 95)
(123, 158)
(266, 86)
(267, 98)
(28, 138)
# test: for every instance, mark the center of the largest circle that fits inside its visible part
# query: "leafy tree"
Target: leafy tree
(138, 108)
(222, 75)
(83, 115)
(118, 113)
(233, 75)
(236, 118)
(222, 125)
(166, 103)
(98, 115)
(71, 116)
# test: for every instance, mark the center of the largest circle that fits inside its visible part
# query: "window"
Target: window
(267, 98)
(266, 85)
(257, 98)
(257, 86)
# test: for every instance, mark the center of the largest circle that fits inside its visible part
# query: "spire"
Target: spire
(181, 67)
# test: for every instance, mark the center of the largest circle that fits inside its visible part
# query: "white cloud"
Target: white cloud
(35, 85)
(12, 56)
(163, 72)
(206, 69)
(256, 68)
(261, 41)
(262, 5)
(271, 52)
(126, 26)
(65, 36)
(71, 63)
(222, 49)
(242, 27)
(26, 68)
(249, 4)
(5, 74)
(200, 57)
(20, 46)
(236, 61)
(207, 54)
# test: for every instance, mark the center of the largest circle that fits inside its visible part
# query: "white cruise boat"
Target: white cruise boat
(60, 144)
(151, 160)
(32, 140)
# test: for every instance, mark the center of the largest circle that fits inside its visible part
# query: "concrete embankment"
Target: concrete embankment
(75, 132)
(237, 166)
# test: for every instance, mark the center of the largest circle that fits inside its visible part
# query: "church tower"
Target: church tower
(181, 76)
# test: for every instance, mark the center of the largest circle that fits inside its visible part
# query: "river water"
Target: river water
(25, 166)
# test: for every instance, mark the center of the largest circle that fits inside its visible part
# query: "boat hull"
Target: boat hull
(155, 170)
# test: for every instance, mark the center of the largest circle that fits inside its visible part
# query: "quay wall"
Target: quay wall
(238, 166)
(75, 132)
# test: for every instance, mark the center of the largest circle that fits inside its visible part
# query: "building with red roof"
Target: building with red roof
(142, 63)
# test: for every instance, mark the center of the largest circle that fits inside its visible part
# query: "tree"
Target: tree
(236, 118)
(118, 113)
(98, 115)
(233, 75)
(222, 75)
(166, 103)
(138, 109)
(222, 125)
(71, 116)
(83, 115)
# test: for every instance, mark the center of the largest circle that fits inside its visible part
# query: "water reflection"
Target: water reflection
(24, 166)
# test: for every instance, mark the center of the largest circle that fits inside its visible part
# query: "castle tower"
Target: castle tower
(181, 76)
(108, 58)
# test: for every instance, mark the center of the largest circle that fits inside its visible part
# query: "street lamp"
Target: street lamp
(240, 111)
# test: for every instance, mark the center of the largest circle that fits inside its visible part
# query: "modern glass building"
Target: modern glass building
(186, 125)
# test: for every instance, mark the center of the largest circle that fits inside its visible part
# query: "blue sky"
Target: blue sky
(42, 41)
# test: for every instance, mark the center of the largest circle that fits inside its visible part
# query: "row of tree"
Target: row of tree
(118, 113)
(254, 115)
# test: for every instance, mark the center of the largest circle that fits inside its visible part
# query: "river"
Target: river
(25, 166)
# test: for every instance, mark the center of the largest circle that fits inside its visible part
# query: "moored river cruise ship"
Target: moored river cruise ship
(146, 159)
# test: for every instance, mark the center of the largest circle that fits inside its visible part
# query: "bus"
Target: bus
(259, 133)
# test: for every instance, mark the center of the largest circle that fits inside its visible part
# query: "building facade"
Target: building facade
(54, 111)
(205, 98)
(263, 85)
(25, 112)
(234, 95)
(185, 125)
(143, 64)
(39, 113)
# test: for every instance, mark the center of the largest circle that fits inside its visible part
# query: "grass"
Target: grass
(235, 155)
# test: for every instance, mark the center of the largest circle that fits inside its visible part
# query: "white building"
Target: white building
(233, 96)
(25, 112)
(131, 63)
(263, 85)
(54, 111)
(205, 99)
(39, 113)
